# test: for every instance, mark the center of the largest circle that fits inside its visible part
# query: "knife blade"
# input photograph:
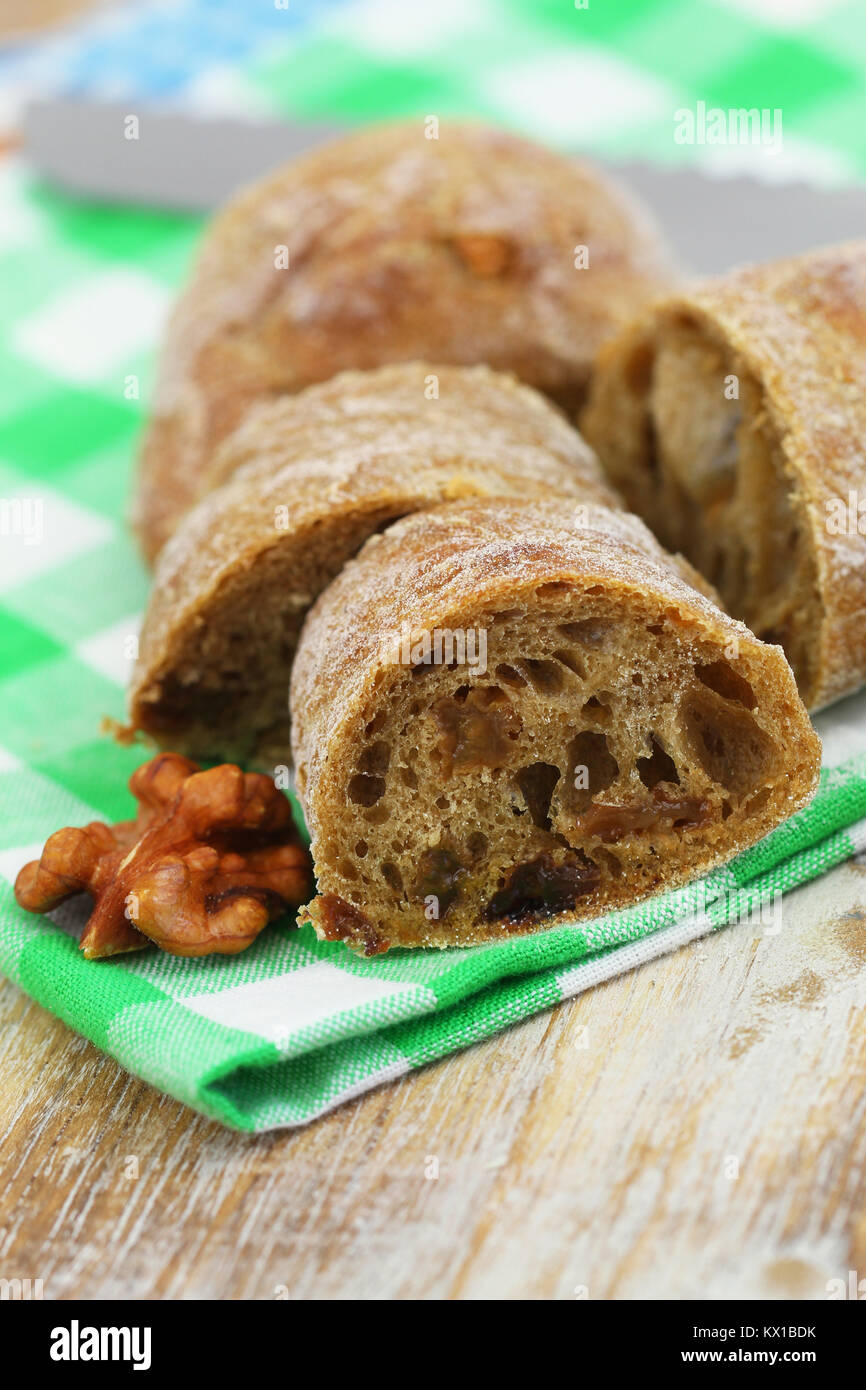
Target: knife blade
(187, 162)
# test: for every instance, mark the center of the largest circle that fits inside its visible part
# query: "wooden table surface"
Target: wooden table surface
(696, 1128)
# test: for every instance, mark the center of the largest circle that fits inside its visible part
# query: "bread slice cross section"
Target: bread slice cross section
(732, 418)
(305, 481)
(512, 714)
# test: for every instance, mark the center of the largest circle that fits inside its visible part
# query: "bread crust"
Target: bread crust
(457, 250)
(309, 478)
(797, 327)
(458, 566)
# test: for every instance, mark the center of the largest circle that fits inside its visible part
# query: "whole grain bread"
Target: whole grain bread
(733, 420)
(387, 246)
(309, 478)
(620, 736)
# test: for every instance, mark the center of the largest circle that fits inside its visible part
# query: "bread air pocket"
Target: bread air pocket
(507, 715)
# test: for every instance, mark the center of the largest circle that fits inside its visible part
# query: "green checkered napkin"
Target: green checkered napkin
(293, 1026)
(601, 76)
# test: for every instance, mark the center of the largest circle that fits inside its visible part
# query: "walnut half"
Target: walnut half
(209, 860)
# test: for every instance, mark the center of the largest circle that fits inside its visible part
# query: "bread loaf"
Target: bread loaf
(509, 711)
(310, 477)
(733, 420)
(383, 247)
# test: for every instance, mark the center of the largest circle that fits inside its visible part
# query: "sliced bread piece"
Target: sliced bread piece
(733, 420)
(444, 240)
(506, 714)
(310, 477)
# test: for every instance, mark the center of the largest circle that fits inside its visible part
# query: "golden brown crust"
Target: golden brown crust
(796, 329)
(310, 477)
(596, 642)
(456, 250)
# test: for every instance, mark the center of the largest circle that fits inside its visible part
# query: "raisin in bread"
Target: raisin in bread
(383, 247)
(733, 420)
(620, 735)
(310, 477)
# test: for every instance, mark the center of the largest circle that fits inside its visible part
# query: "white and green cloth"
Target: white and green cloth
(294, 1026)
